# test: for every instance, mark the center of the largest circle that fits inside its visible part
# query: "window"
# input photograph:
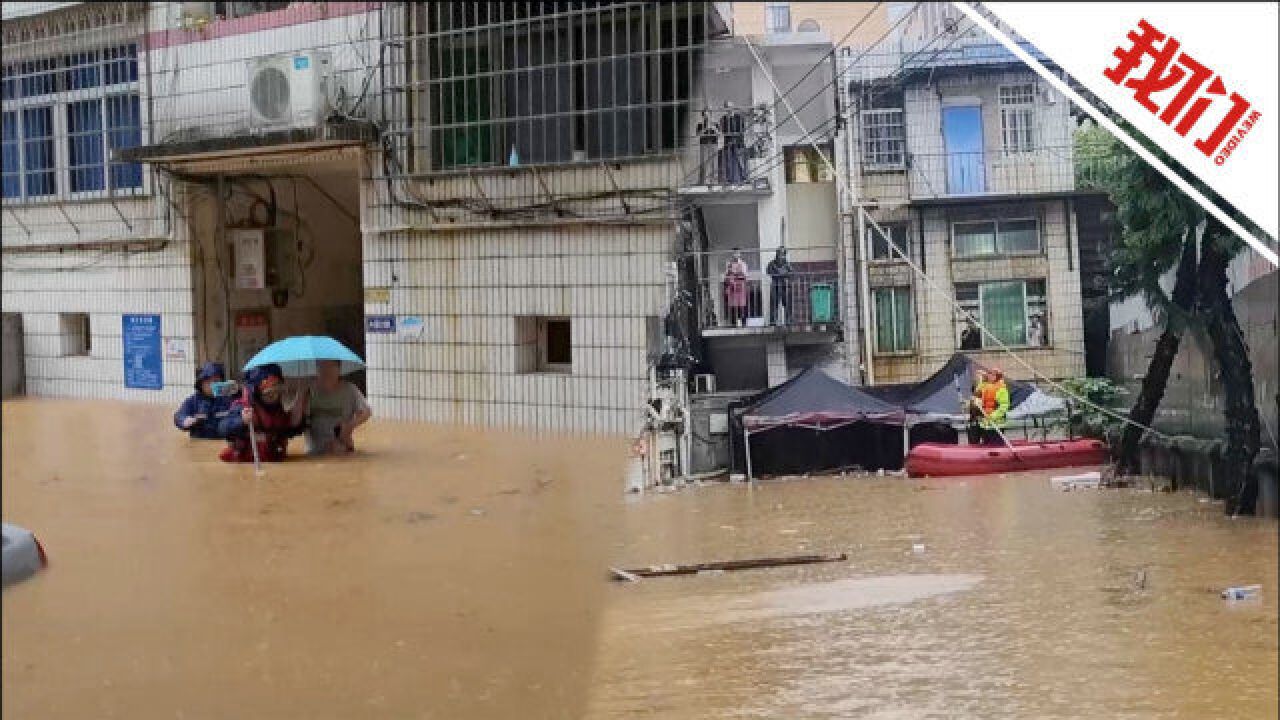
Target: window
(893, 320)
(1017, 117)
(883, 139)
(231, 10)
(1012, 310)
(543, 344)
(897, 233)
(541, 83)
(63, 117)
(777, 17)
(557, 349)
(805, 164)
(74, 331)
(995, 237)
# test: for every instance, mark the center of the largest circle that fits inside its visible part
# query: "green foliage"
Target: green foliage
(1085, 420)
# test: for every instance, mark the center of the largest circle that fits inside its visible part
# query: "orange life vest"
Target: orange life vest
(989, 390)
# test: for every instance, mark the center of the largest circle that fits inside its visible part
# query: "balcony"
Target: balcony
(731, 166)
(1042, 171)
(806, 301)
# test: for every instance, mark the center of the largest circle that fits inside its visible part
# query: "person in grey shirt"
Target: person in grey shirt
(333, 408)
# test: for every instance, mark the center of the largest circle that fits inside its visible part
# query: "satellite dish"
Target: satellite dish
(808, 25)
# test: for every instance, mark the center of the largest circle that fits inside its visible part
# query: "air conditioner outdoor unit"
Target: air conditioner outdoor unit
(288, 91)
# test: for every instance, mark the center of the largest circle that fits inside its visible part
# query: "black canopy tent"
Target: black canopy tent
(815, 401)
(818, 422)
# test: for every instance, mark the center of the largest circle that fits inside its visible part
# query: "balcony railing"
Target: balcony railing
(998, 172)
(732, 156)
(733, 299)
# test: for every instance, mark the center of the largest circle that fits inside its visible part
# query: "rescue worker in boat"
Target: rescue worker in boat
(262, 404)
(201, 414)
(993, 402)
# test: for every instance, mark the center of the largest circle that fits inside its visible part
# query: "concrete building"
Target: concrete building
(862, 22)
(475, 197)
(963, 156)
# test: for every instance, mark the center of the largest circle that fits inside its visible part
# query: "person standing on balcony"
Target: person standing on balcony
(708, 151)
(779, 271)
(733, 155)
(735, 288)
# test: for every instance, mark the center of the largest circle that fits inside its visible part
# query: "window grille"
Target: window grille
(63, 116)
(883, 139)
(1017, 117)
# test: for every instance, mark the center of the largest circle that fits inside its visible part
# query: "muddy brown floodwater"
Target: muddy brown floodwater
(459, 573)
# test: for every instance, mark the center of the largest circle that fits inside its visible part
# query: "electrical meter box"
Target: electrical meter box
(282, 258)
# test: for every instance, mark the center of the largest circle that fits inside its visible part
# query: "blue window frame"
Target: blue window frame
(124, 130)
(12, 156)
(64, 115)
(39, 169)
(84, 145)
(82, 70)
(120, 64)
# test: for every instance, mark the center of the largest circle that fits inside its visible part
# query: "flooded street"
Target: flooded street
(460, 573)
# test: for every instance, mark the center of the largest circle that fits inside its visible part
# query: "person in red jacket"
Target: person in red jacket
(260, 406)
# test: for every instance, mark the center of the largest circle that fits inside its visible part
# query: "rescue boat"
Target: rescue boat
(942, 460)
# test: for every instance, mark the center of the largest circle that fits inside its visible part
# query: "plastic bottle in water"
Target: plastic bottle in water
(1240, 592)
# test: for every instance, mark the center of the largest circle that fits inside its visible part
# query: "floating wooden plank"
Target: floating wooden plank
(633, 574)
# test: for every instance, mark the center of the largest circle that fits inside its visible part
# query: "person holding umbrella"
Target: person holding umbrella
(329, 408)
(333, 408)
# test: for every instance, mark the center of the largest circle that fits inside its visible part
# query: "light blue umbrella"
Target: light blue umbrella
(297, 356)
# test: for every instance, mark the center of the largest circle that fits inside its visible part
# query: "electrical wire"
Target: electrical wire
(951, 298)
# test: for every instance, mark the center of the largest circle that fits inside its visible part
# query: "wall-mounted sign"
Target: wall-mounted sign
(253, 332)
(175, 349)
(412, 327)
(251, 264)
(143, 362)
(377, 295)
(385, 324)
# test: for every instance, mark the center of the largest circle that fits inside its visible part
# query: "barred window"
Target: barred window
(1017, 117)
(883, 139)
(536, 83)
(63, 116)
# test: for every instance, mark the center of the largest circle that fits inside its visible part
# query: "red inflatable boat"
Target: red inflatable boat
(940, 460)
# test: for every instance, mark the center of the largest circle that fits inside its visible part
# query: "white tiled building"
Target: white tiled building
(964, 157)
(481, 288)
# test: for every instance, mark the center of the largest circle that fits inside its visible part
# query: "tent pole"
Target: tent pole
(746, 441)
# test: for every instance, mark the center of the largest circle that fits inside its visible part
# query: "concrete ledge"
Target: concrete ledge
(1191, 462)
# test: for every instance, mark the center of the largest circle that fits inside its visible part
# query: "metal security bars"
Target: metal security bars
(529, 83)
(71, 97)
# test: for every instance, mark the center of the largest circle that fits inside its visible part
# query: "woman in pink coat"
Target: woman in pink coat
(735, 288)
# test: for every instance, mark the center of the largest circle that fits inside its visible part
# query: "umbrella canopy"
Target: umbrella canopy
(297, 356)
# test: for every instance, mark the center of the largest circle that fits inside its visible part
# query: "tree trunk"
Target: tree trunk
(1157, 376)
(1231, 355)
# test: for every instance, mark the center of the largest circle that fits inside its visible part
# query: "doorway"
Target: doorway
(962, 135)
(280, 255)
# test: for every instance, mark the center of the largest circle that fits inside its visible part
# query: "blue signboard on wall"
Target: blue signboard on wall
(380, 324)
(143, 357)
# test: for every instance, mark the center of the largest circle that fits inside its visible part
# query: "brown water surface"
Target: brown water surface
(458, 573)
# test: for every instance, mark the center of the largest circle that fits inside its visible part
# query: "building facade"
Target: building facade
(962, 160)
(477, 197)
